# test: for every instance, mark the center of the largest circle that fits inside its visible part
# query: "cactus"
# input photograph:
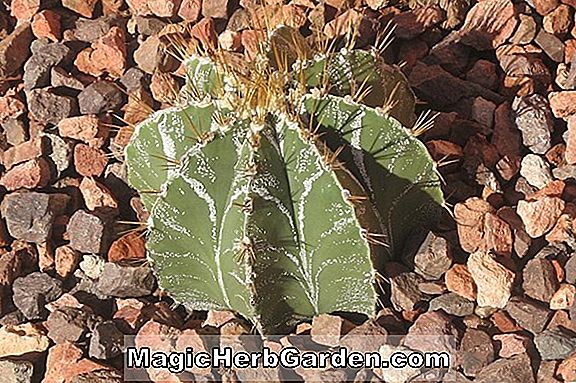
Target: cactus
(275, 195)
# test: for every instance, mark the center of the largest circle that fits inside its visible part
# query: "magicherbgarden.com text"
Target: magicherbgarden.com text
(288, 357)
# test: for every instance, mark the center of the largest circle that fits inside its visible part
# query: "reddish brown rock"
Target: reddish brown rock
(66, 260)
(286, 14)
(129, 316)
(89, 161)
(563, 103)
(87, 129)
(442, 149)
(84, 63)
(138, 108)
(23, 10)
(250, 41)
(217, 9)
(432, 331)
(414, 22)
(516, 369)
(544, 7)
(164, 8)
(204, 31)
(327, 329)
(164, 87)
(567, 369)
(497, 235)
(110, 52)
(539, 216)
(190, 9)
(469, 217)
(107, 55)
(512, 344)
(97, 196)
(29, 175)
(493, 280)
(14, 50)
(66, 300)
(65, 362)
(504, 323)
(341, 25)
(459, 280)
(558, 21)
(219, 318)
(158, 337)
(11, 107)
(28, 150)
(47, 24)
(570, 153)
(130, 246)
(149, 54)
(82, 7)
(488, 24)
(139, 7)
(45, 256)
(564, 298)
(483, 72)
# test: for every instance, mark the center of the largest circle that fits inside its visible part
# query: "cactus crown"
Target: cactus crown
(278, 188)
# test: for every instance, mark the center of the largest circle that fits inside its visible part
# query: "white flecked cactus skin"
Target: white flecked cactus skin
(278, 190)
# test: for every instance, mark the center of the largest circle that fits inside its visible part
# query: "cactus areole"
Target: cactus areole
(278, 188)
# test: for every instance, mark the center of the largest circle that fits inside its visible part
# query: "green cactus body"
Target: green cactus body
(279, 216)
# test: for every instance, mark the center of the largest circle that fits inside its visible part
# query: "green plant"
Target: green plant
(278, 190)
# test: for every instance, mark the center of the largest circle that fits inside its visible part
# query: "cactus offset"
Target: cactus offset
(276, 195)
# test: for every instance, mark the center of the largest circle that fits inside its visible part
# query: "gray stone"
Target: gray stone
(89, 233)
(570, 269)
(91, 30)
(433, 257)
(61, 152)
(13, 318)
(516, 369)
(452, 304)
(100, 96)
(16, 371)
(124, 281)
(33, 291)
(565, 172)
(239, 20)
(551, 45)
(106, 342)
(526, 30)
(555, 344)
(149, 25)
(535, 170)
(59, 77)
(539, 279)
(133, 79)
(476, 351)
(30, 215)
(15, 131)
(98, 376)
(46, 55)
(51, 108)
(405, 292)
(533, 117)
(528, 314)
